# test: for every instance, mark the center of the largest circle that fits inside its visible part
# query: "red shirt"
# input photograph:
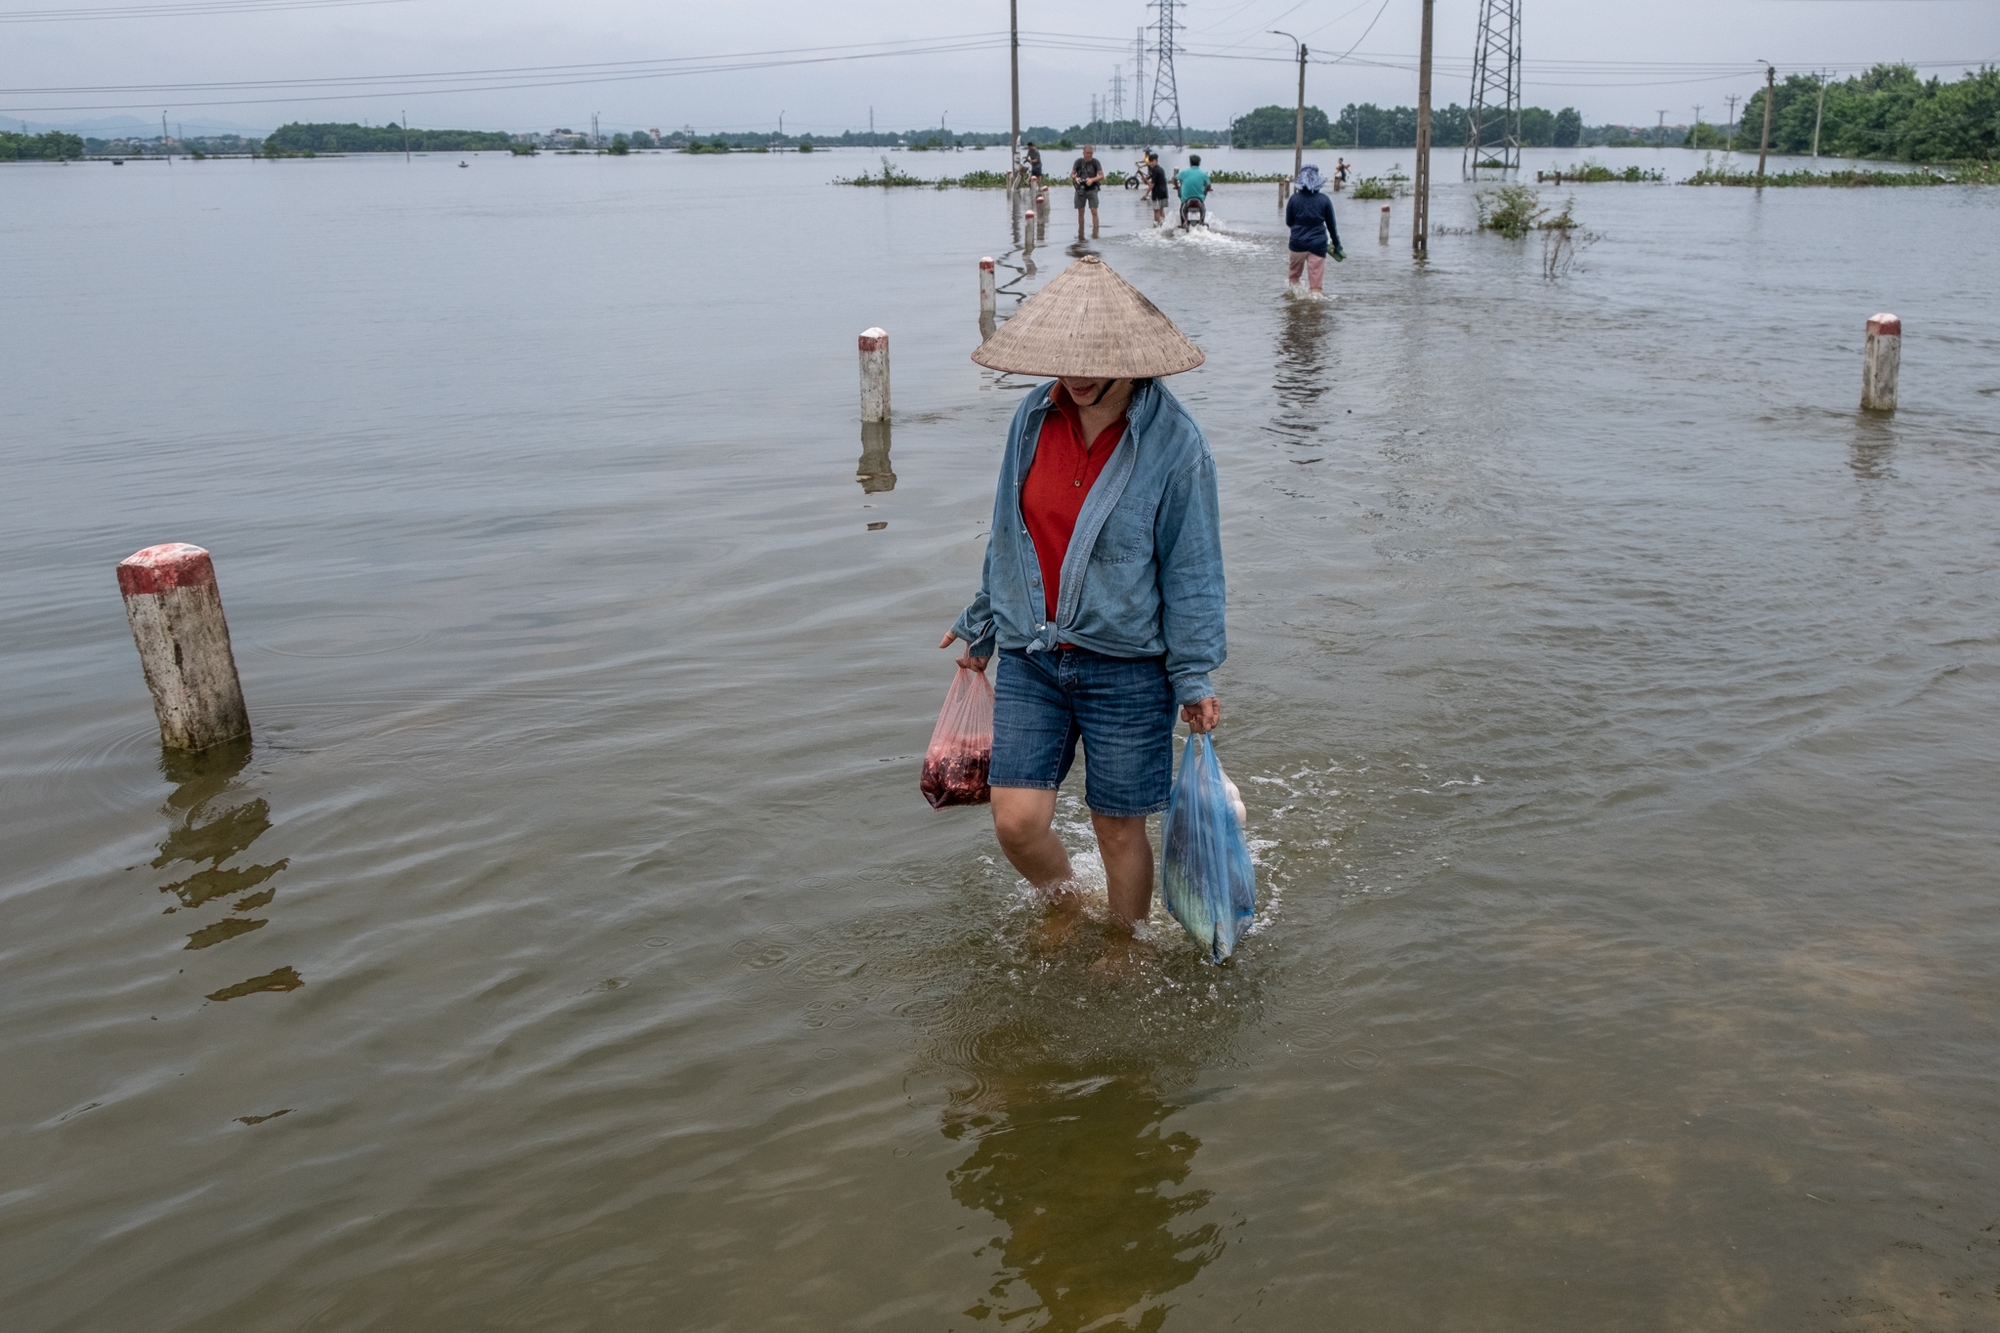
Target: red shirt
(1058, 481)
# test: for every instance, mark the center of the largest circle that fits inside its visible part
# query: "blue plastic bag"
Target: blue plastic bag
(1205, 873)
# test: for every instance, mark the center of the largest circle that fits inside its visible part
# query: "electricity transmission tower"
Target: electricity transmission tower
(1138, 72)
(1493, 121)
(1117, 93)
(1166, 92)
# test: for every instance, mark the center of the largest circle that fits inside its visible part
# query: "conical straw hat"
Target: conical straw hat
(1089, 322)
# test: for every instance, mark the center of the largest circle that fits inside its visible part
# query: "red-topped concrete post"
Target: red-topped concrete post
(1028, 232)
(989, 293)
(175, 611)
(874, 375)
(1880, 362)
(1385, 224)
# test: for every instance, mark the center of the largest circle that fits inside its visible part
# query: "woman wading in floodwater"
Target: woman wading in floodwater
(1102, 592)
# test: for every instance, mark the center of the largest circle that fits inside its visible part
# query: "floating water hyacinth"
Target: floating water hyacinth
(1206, 877)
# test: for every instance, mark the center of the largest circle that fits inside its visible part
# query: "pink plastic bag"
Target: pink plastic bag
(961, 748)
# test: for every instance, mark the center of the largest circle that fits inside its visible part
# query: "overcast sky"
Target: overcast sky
(1614, 60)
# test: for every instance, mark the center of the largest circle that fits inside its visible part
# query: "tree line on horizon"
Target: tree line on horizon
(54, 146)
(1889, 112)
(1369, 126)
(328, 137)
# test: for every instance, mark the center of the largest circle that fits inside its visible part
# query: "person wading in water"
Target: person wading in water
(1156, 187)
(1086, 174)
(1102, 594)
(1309, 214)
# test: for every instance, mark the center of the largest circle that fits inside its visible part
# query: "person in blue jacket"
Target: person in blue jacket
(1310, 216)
(1102, 591)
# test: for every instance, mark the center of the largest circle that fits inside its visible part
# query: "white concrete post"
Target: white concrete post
(1029, 230)
(1880, 362)
(989, 293)
(1284, 195)
(175, 611)
(1385, 224)
(874, 375)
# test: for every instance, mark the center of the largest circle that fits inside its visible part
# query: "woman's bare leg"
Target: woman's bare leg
(1128, 866)
(1023, 819)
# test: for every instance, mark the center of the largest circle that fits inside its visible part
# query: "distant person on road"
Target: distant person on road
(1192, 182)
(1340, 173)
(1101, 600)
(1310, 216)
(1086, 174)
(1156, 182)
(1033, 158)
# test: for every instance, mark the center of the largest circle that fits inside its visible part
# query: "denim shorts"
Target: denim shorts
(1121, 708)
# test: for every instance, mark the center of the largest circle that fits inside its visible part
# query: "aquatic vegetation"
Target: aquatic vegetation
(971, 180)
(715, 145)
(1374, 187)
(1967, 173)
(1511, 210)
(1247, 177)
(1595, 173)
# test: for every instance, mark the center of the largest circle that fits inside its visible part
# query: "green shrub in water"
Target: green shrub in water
(1373, 187)
(1511, 210)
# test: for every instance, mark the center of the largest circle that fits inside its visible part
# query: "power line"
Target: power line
(190, 9)
(1555, 73)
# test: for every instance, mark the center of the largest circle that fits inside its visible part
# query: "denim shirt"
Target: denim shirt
(1143, 576)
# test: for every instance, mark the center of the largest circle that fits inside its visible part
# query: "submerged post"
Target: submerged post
(874, 375)
(1385, 224)
(1028, 235)
(988, 286)
(175, 611)
(1880, 362)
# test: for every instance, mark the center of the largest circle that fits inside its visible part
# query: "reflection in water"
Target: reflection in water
(1303, 380)
(1873, 448)
(1061, 1077)
(206, 832)
(875, 472)
(1086, 1176)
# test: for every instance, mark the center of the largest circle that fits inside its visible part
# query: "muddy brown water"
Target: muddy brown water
(1616, 707)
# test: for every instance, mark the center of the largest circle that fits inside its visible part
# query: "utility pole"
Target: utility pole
(406, 136)
(165, 146)
(1694, 135)
(1820, 114)
(1770, 96)
(1732, 99)
(1420, 211)
(1660, 134)
(1299, 122)
(1014, 77)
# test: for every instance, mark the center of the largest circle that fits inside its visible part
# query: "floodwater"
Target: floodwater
(1616, 707)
